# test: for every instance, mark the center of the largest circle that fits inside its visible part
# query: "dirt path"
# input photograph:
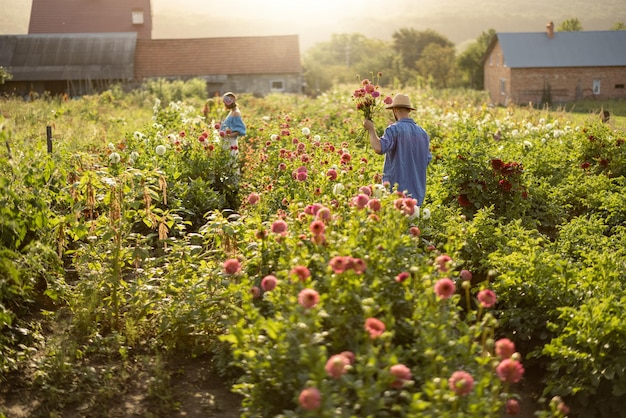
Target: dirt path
(194, 392)
(203, 394)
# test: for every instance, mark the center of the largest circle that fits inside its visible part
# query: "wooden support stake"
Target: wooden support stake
(49, 138)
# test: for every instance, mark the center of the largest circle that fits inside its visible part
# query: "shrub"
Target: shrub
(586, 356)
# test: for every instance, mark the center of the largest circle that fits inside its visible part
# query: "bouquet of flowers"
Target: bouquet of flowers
(368, 98)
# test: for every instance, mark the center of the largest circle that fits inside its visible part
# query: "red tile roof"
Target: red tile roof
(214, 56)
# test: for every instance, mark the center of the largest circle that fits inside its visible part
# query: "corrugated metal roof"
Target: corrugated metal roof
(93, 56)
(565, 49)
(214, 56)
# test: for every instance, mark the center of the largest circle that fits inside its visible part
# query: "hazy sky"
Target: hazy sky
(316, 20)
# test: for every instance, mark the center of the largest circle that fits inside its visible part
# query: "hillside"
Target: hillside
(459, 20)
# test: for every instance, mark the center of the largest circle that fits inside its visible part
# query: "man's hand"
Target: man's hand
(374, 139)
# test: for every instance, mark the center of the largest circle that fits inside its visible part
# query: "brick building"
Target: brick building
(255, 64)
(555, 67)
(88, 16)
(82, 46)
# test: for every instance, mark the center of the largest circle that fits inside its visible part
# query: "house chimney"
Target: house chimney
(550, 29)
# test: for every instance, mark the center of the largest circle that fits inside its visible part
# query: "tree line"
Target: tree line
(412, 57)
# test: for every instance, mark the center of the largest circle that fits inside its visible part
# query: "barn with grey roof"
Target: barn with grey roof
(555, 67)
(77, 47)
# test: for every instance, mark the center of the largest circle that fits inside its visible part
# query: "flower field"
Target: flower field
(309, 287)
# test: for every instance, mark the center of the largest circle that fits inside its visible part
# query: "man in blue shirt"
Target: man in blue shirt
(406, 147)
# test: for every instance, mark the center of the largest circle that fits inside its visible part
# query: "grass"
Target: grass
(584, 110)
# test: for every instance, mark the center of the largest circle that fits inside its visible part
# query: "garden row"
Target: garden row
(314, 289)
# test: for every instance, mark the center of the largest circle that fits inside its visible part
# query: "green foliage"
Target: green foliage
(527, 272)
(30, 266)
(176, 90)
(587, 358)
(412, 58)
(475, 180)
(122, 235)
(570, 25)
(472, 240)
(335, 62)
(470, 60)
(438, 62)
(602, 151)
(284, 347)
(4, 75)
(411, 43)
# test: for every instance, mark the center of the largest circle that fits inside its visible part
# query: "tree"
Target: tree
(438, 62)
(4, 75)
(618, 26)
(570, 25)
(470, 61)
(410, 44)
(343, 58)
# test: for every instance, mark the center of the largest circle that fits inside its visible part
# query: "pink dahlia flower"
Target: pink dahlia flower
(442, 262)
(336, 366)
(375, 327)
(302, 272)
(279, 227)
(402, 277)
(466, 275)
(232, 266)
(512, 407)
(308, 298)
(317, 227)
(461, 383)
(253, 198)
(445, 288)
(510, 371)
(487, 298)
(374, 205)
(401, 373)
(339, 264)
(504, 348)
(361, 200)
(269, 283)
(310, 399)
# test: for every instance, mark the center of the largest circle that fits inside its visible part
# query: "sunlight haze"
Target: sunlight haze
(461, 21)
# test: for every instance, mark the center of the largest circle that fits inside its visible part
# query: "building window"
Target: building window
(498, 60)
(503, 86)
(137, 16)
(277, 85)
(596, 86)
(619, 86)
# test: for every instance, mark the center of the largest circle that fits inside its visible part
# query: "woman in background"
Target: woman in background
(233, 126)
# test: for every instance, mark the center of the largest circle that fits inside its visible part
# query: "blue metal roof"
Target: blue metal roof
(565, 49)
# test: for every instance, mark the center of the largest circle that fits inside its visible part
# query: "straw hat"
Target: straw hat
(400, 100)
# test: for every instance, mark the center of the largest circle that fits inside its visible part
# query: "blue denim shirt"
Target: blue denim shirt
(234, 123)
(406, 146)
